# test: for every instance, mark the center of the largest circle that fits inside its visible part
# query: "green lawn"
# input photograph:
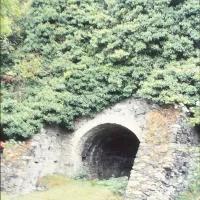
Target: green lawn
(60, 188)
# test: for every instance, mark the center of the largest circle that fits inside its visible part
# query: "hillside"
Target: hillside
(68, 58)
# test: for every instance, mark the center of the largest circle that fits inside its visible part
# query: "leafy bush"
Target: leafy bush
(82, 174)
(195, 120)
(178, 82)
(18, 120)
(116, 185)
(9, 9)
(29, 68)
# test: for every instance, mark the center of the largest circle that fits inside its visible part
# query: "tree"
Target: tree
(9, 10)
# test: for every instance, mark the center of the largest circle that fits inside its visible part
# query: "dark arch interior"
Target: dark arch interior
(109, 150)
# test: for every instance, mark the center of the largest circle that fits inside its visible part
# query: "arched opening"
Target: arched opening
(109, 150)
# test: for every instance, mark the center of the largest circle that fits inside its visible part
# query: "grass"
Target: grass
(61, 188)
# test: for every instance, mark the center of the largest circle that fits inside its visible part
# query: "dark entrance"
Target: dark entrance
(109, 150)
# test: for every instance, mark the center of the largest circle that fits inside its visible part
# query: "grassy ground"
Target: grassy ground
(60, 188)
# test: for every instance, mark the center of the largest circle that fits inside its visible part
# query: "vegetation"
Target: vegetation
(116, 185)
(82, 174)
(63, 59)
(61, 188)
(71, 58)
(9, 9)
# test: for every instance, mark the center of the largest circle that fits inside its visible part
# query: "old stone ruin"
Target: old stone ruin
(133, 138)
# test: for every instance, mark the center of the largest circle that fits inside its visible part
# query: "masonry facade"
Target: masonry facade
(112, 143)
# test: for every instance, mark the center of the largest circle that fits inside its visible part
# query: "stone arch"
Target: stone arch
(109, 150)
(92, 140)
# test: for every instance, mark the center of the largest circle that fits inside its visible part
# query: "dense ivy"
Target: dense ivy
(178, 82)
(79, 57)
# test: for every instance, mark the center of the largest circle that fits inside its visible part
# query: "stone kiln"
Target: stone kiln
(112, 143)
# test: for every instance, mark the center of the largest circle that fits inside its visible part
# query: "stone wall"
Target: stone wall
(158, 171)
(130, 114)
(163, 175)
(42, 158)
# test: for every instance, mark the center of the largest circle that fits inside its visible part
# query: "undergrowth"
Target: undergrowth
(116, 185)
(81, 174)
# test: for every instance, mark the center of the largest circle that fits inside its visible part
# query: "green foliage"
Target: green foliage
(29, 68)
(82, 174)
(12, 15)
(19, 121)
(195, 120)
(178, 82)
(74, 58)
(116, 185)
(12, 144)
(9, 9)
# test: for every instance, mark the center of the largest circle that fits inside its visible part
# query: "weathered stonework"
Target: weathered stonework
(93, 145)
(41, 158)
(130, 114)
(163, 177)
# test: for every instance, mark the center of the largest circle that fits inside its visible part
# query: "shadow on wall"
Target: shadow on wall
(109, 150)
